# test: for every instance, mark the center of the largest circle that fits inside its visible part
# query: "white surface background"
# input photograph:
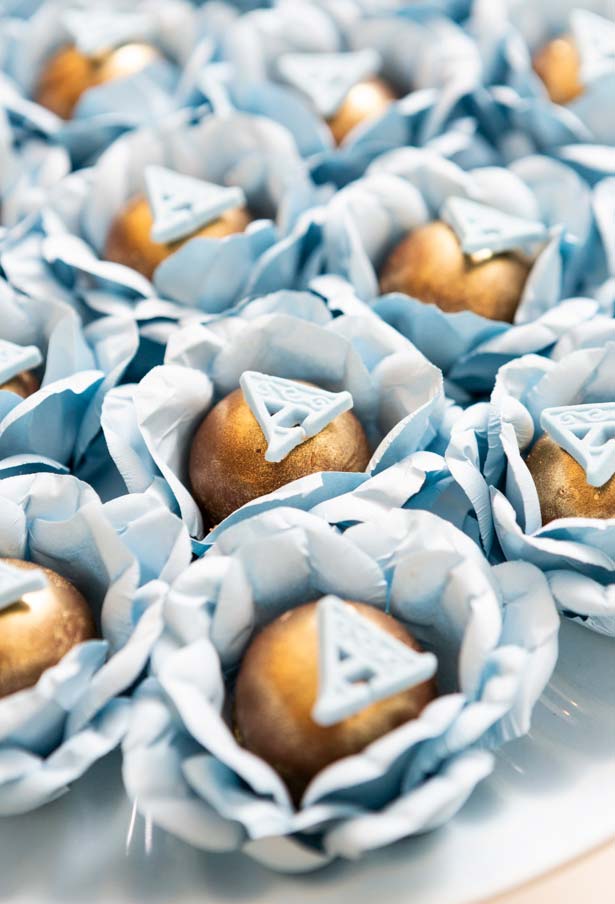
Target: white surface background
(551, 797)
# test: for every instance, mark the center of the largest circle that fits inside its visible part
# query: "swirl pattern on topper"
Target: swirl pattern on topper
(587, 432)
(360, 664)
(288, 412)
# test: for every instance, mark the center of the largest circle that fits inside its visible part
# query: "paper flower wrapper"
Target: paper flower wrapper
(29, 164)
(494, 631)
(420, 51)
(404, 189)
(60, 253)
(397, 395)
(184, 36)
(486, 455)
(117, 555)
(509, 33)
(55, 427)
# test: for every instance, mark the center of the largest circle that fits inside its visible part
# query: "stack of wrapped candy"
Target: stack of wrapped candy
(307, 401)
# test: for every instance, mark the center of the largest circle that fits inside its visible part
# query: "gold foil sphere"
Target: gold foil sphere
(365, 101)
(277, 688)
(227, 459)
(430, 265)
(24, 384)
(558, 65)
(39, 629)
(69, 73)
(562, 486)
(129, 241)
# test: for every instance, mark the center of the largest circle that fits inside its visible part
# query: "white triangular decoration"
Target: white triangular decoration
(16, 358)
(96, 31)
(483, 228)
(360, 663)
(587, 432)
(182, 204)
(15, 582)
(288, 412)
(595, 39)
(326, 78)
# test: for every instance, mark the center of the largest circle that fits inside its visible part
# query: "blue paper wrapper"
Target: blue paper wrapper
(421, 52)
(55, 427)
(494, 631)
(406, 188)
(59, 252)
(517, 105)
(30, 164)
(117, 555)
(398, 397)
(486, 455)
(185, 37)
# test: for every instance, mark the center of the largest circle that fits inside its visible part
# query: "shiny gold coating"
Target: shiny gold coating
(227, 459)
(69, 73)
(23, 384)
(277, 688)
(129, 241)
(365, 101)
(39, 629)
(558, 64)
(562, 486)
(429, 264)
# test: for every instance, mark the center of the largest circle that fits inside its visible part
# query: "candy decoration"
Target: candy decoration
(16, 358)
(360, 663)
(14, 582)
(326, 78)
(482, 228)
(182, 204)
(289, 412)
(97, 31)
(595, 38)
(587, 432)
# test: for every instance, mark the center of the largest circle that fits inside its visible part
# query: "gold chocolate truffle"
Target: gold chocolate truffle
(23, 384)
(277, 688)
(365, 101)
(129, 241)
(558, 64)
(227, 459)
(37, 630)
(69, 73)
(562, 485)
(430, 265)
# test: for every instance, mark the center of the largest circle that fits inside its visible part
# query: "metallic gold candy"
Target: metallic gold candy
(277, 688)
(558, 64)
(69, 73)
(39, 629)
(430, 265)
(24, 384)
(365, 101)
(129, 241)
(227, 459)
(562, 486)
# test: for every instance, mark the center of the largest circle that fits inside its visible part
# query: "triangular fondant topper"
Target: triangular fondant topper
(483, 228)
(594, 37)
(15, 582)
(326, 78)
(289, 412)
(97, 31)
(15, 358)
(359, 663)
(182, 204)
(587, 432)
